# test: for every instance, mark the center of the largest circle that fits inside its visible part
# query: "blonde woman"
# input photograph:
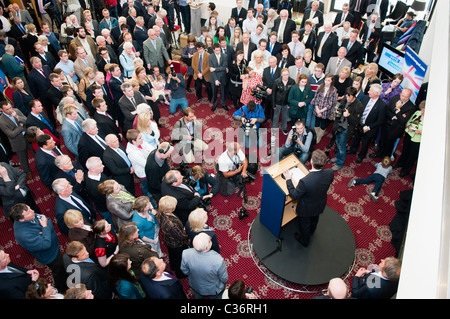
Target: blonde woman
(236, 37)
(80, 231)
(370, 77)
(148, 128)
(87, 80)
(197, 223)
(258, 63)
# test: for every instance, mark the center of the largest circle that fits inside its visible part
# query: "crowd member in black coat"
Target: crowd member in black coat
(370, 35)
(239, 13)
(91, 143)
(311, 193)
(326, 45)
(270, 74)
(354, 49)
(290, 26)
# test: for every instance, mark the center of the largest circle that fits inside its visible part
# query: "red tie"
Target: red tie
(140, 146)
(42, 72)
(108, 115)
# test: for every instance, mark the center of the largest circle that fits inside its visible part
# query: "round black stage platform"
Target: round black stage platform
(330, 254)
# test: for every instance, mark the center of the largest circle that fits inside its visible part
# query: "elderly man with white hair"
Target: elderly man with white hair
(372, 119)
(326, 45)
(205, 268)
(91, 142)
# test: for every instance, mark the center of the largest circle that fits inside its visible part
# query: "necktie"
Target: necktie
(358, 3)
(108, 115)
(100, 141)
(81, 206)
(55, 152)
(366, 111)
(42, 72)
(271, 48)
(133, 101)
(124, 156)
(349, 45)
(22, 28)
(271, 74)
(319, 51)
(337, 65)
(140, 146)
(78, 127)
(85, 61)
(200, 62)
(45, 122)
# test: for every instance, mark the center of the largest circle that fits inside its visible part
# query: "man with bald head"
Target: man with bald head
(205, 268)
(337, 289)
(398, 111)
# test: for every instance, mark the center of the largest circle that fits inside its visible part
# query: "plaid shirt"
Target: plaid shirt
(327, 101)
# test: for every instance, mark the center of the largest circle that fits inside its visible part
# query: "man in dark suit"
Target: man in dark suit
(105, 57)
(91, 142)
(273, 46)
(45, 159)
(46, 57)
(372, 119)
(159, 283)
(39, 82)
(311, 194)
(89, 273)
(379, 284)
(284, 26)
(38, 118)
(73, 172)
(343, 16)
(107, 123)
(354, 49)
(54, 94)
(218, 65)
(68, 199)
(326, 45)
(128, 104)
(140, 33)
(116, 160)
(358, 9)
(187, 197)
(239, 13)
(313, 14)
(398, 112)
(18, 32)
(157, 167)
(246, 46)
(270, 74)
(14, 280)
(370, 35)
(100, 89)
(114, 85)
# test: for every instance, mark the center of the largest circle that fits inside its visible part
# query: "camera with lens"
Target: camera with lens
(172, 71)
(243, 213)
(204, 203)
(260, 92)
(340, 120)
(247, 126)
(295, 135)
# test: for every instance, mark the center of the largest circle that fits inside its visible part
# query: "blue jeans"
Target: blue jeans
(286, 150)
(310, 118)
(174, 103)
(341, 144)
(374, 178)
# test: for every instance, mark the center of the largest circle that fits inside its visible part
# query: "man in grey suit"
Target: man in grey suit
(23, 14)
(71, 128)
(12, 123)
(218, 65)
(155, 52)
(298, 68)
(336, 63)
(205, 268)
(128, 104)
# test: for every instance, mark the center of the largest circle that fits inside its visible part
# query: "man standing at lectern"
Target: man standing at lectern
(311, 193)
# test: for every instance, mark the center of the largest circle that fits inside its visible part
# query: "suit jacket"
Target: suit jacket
(220, 73)
(126, 107)
(318, 15)
(71, 136)
(87, 147)
(251, 47)
(39, 84)
(114, 86)
(329, 48)
(49, 60)
(377, 116)
(92, 275)
(205, 66)
(350, 18)
(239, 17)
(155, 56)
(397, 126)
(106, 125)
(290, 26)
(14, 285)
(61, 206)
(79, 66)
(293, 72)
(311, 192)
(371, 286)
(355, 54)
(91, 42)
(268, 79)
(186, 201)
(373, 38)
(275, 49)
(164, 289)
(98, 198)
(79, 188)
(113, 23)
(35, 121)
(8, 194)
(45, 165)
(54, 96)
(140, 35)
(362, 7)
(310, 43)
(14, 131)
(332, 63)
(120, 171)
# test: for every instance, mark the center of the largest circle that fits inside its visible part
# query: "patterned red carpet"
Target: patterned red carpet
(369, 221)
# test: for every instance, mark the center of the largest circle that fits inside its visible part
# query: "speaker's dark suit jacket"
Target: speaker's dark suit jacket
(290, 26)
(120, 171)
(311, 192)
(14, 285)
(371, 286)
(186, 201)
(93, 276)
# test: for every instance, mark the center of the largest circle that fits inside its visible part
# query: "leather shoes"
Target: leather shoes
(299, 239)
(359, 160)
(214, 108)
(225, 108)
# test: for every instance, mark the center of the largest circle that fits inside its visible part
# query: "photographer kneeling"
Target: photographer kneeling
(176, 84)
(200, 180)
(299, 142)
(232, 170)
(251, 116)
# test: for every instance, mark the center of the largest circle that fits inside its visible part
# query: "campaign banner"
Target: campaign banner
(413, 70)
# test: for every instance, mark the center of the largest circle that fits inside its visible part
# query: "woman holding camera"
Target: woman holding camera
(280, 94)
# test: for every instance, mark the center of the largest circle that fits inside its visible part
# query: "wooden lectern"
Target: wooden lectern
(277, 207)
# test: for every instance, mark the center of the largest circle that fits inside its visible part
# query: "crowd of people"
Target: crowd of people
(94, 78)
